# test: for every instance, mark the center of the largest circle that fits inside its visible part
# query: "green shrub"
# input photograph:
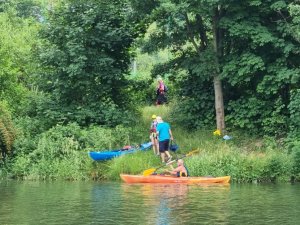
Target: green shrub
(242, 166)
(278, 167)
(295, 153)
(257, 116)
(61, 153)
(294, 110)
(131, 164)
(21, 166)
(7, 131)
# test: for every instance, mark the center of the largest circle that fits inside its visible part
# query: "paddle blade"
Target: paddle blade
(148, 171)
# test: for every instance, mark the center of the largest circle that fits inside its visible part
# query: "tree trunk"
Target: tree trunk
(219, 102)
(219, 105)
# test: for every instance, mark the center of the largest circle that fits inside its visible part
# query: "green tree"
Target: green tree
(17, 41)
(263, 69)
(85, 56)
(191, 30)
(294, 11)
(7, 131)
(294, 105)
(245, 48)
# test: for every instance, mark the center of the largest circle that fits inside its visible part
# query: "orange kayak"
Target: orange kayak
(170, 179)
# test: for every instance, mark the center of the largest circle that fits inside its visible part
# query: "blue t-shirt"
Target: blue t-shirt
(163, 131)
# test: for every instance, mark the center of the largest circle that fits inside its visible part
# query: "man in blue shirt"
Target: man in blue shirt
(164, 135)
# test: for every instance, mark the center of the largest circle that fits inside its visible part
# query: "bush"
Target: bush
(61, 152)
(7, 131)
(257, 116)
(295, 152)
(194, 112)
(131, 164)
(242, 166)
(294, 110)
(278, 167)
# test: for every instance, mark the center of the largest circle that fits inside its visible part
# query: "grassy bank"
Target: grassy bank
(242, 166)
(62, 153)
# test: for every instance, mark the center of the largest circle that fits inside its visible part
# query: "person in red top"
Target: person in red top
(161, 92)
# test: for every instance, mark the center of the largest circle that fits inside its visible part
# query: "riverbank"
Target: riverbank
(62, 153)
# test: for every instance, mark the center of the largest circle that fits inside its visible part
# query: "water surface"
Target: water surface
(118, 203)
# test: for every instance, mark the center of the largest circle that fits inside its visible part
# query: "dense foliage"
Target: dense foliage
(62, 151)
(17, 39)
(65, 78)
(7, 132)
(257, 57)
(84, 57)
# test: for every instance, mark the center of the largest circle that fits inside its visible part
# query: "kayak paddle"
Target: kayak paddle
(152, 170)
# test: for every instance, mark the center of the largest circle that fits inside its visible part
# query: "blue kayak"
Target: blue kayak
(106, 155)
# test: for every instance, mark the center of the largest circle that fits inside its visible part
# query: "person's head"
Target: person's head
(180, 162)
(159, 119)
(160, 80)
(153, 117)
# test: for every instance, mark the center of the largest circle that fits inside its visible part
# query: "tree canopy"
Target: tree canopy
(66, 84)
(86, 53)
(248, 45)
(234, 60)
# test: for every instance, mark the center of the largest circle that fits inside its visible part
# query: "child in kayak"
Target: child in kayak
(180, 170)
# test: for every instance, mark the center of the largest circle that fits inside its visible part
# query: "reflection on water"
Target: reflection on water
(158, 204)
(179, 203)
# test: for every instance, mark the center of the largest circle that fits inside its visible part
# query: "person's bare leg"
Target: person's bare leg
(162, 155)
(153, 145)
(168, 155)
(156, 147)
(154, 150)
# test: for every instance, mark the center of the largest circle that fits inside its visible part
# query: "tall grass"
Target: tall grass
(131, 164)
(148, 111)
(242, 166)
(62, 153)
(244, 158)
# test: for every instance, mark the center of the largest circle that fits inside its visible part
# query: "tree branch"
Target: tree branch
(202, 33)
(190, 34)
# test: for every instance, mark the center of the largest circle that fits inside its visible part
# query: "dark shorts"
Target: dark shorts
(161, 99)
(164, 146)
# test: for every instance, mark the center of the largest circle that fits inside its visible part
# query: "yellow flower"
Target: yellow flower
(217, 132)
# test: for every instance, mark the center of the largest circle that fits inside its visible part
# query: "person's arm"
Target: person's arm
(171, 135)
(172, 168)
(177, 169)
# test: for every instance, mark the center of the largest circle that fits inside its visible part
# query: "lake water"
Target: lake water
(161, 204)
